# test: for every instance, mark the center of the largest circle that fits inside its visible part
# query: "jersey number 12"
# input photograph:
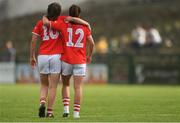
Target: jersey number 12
(78, 43)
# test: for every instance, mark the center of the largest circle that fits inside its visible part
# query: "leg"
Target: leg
(66, 94)
(77, 95)
(53, 83)
(43, 94)
(65, 86)
(55, 70)
(43, 66)
(66, 75)
(79, 72)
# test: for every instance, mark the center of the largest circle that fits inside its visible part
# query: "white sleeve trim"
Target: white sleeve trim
(35, 33)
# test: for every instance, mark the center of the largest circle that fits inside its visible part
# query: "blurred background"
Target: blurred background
(136, 41)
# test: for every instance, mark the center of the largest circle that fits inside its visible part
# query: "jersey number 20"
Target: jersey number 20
(78, 43)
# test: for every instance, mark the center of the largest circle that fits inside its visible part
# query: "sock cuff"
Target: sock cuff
(66, 99)
(49, 110)
(43, 100)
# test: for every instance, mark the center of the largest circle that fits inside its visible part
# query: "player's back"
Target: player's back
(51, 40)
(75, 43)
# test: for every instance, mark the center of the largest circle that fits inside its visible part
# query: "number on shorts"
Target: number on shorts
(78, 43)
(51, 35)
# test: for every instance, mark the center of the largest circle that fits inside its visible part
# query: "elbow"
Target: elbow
(93, 44)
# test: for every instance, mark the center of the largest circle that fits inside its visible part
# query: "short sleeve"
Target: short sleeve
(36, 29)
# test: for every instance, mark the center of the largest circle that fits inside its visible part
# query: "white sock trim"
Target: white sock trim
(76, 114)
(66, 109)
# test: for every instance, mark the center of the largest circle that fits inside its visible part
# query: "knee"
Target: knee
(66, 83)
(52, 86)
(77, 87)
(45, 84)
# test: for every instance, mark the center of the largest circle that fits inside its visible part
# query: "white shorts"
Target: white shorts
(49, 64)
(73, 69)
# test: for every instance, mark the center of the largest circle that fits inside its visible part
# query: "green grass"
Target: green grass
(100, 103)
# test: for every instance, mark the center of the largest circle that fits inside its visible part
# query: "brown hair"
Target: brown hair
(74, 11)
(53, 11)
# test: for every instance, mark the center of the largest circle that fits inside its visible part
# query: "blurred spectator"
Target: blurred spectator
(102, 45)
(114, 45)
(9, 53)
(124, 41)
(153, 37)
(138, 36)
(168, 43)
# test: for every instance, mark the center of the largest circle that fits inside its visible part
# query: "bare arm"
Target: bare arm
(46, 22)
(90, 49)
(78, 21)
(33, 50)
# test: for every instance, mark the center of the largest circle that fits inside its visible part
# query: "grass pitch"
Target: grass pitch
(110, 103)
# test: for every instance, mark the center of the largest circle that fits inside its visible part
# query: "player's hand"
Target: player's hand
(68, 19)
(33, 62)
(89, 59)
(45, 21)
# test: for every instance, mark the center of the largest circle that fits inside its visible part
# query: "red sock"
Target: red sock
(66, 101)
(50, 111)
(77, 107)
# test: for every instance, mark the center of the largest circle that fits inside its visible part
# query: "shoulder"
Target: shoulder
(87, 29)
(39, 23)
(79, 26)
(62, 18)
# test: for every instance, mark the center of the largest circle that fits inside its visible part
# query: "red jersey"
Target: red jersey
(51, 40)
(74, 38)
